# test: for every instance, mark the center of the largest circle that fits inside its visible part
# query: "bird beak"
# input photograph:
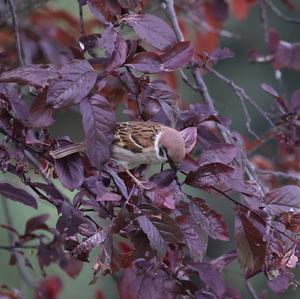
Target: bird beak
(174, 166)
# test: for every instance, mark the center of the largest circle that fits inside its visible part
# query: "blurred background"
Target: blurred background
(248, 35)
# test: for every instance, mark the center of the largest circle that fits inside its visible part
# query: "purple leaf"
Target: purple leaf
(281, 283)
(295, 101)
(40, 112)
(211, 277)
(153, 30)
(82, 250)
(218, 153)
(220, 263)
(287, 55)
(156, 240)
(70, 220)
(178, 56)
(165, 196)
(137, 283)
(147, 62)
(209, 175)
(32, 74)
(70, 171)
(100, 10)
(190, 138)
(77, 80)
(159, 227)
(211, 222)
(11, 192)
(195, 238)
(270, 90)
(19, 107)
(221, 53)
(115, 48)
(283, 199)
(99, 124)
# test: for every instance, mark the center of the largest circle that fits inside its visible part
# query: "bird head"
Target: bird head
(171, 146)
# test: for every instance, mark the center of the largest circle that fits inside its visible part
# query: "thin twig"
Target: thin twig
(202, 86)
(264, 20)
(251, 290)
(26, 276)
(10, 247)
(12, 8)
(168, 6)
(279, 174)
(266, 221)
(279, 14)
(248, 120)
(240, 93)
(82, 31)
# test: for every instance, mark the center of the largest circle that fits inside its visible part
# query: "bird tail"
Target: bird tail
(68, 150)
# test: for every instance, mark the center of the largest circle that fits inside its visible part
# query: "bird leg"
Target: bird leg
(138, 182)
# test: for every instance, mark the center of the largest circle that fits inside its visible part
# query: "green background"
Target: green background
(249, 76)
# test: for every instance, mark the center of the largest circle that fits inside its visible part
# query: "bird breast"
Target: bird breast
(130, 159)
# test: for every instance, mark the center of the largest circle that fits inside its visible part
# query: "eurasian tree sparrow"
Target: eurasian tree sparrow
(137, 142)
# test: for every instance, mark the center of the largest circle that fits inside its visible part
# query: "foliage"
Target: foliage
(155, 239)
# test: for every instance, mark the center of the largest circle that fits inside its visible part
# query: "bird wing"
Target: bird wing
(136, 136)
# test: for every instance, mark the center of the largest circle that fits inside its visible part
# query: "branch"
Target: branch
(250, 169)
(12, 8)
(279, 14)
(22, 7)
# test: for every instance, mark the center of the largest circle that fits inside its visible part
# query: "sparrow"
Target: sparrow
(137, 142)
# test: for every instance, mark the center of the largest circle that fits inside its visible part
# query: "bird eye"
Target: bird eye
(162, 152)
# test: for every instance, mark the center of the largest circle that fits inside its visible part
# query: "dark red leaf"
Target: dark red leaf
(153, 30)
(35, 223)
(190, 138)
(218, 153)
(250, 243)
(211, 222)
(70, 171)
(32, 74)
(178, 56)
(209, 175)
(9, 191)
(283, 199)
(147, 62)
(49, 288)
(99, 123)
(77, 80)
(71, 265)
